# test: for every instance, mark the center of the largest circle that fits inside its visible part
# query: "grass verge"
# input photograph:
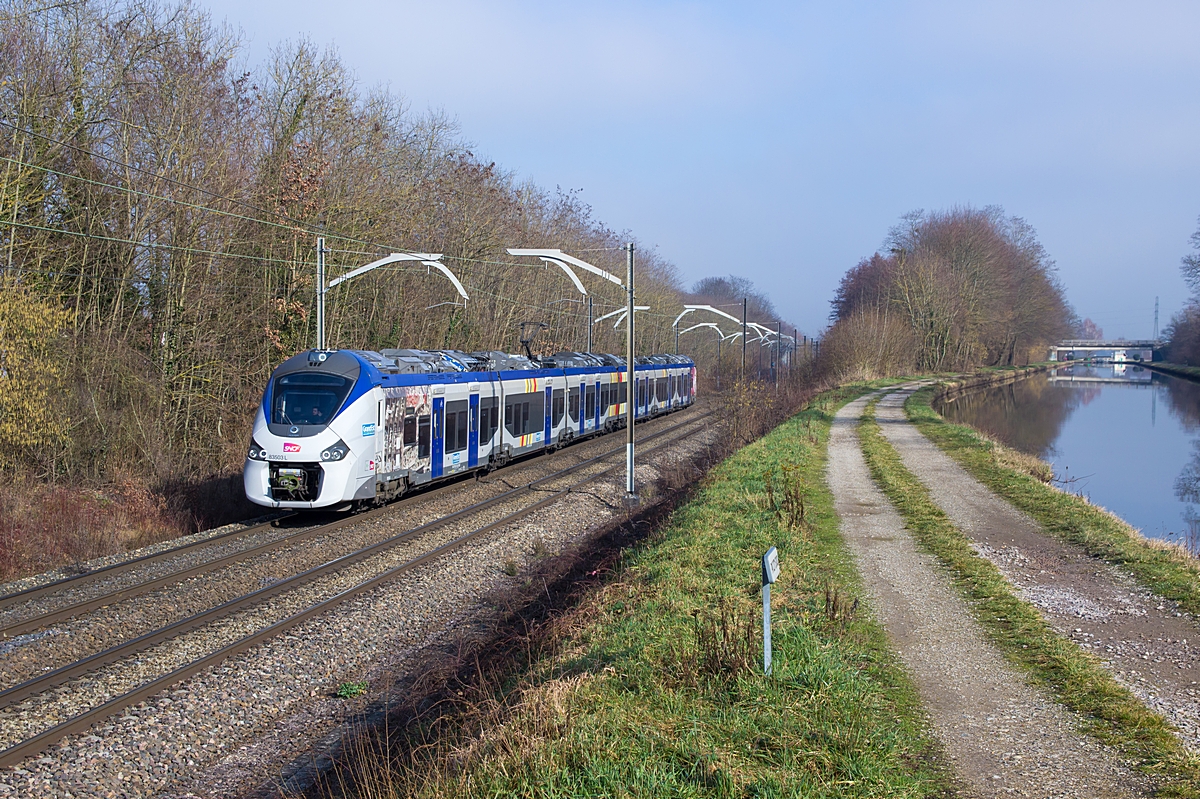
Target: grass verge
(1078, 679)
(652, 685)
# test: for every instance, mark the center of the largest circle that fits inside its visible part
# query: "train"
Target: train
(345, 429)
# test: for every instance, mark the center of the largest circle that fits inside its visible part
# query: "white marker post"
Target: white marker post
(770, 573)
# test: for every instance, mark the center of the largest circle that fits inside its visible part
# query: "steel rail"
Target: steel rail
(50, 679)
(84, 606)
(36, 622)
(33, 592)
(37, 743)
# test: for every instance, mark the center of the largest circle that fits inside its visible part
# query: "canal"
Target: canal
(1126, 438)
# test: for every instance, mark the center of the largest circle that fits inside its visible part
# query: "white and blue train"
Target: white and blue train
(345, 428)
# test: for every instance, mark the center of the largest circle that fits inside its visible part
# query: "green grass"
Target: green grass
(1191, 372)
(1077, 679)
(656, 688)
(349, 690)
(1168, 571)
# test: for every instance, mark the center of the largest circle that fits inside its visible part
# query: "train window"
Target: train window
(573, 405)
(456, 425)
(660, 389)
(489, 419)
(589, 403)
(410, 427)
(641, 385)
(308, 397)
(423, 436)
(557, 405)
(525, 413)
(604, 399)
(622, 392)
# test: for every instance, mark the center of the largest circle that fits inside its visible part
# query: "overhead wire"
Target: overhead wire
(150, 245)
(480, 263)
(292, 225)
(159, 197)
(308, 226)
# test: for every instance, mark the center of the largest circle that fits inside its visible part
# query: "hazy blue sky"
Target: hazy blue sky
(780, 141)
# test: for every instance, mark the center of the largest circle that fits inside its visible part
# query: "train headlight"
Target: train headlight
(336, 452)
(256, 452)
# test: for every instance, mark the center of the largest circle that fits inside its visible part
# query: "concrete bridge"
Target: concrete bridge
(1117, 351)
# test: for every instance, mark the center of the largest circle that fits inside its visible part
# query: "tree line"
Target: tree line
(1182, 333)
(159, 210)
(952, 290)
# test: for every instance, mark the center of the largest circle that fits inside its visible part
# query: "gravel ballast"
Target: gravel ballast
(250, 719)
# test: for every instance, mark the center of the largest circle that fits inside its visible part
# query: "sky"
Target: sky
(780, 141)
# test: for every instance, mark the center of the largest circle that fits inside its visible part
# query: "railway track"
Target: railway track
(25, 611)
(54, 684)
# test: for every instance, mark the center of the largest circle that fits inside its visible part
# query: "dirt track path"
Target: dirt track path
(1145, 641)
(1003, 738)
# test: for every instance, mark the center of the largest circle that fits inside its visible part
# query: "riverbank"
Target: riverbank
(652, 684)
(1191, 373)
(986, 378)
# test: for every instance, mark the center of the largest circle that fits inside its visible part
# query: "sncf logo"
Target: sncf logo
(290, 447)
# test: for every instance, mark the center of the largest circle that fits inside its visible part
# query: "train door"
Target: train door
(473, 435)
(558, 407)
(598, 410)
(439, 411)
(547, 440)
(582, 407)
(380, 431)
(590, 402)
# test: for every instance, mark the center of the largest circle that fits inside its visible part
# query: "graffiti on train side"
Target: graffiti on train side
(407, 426)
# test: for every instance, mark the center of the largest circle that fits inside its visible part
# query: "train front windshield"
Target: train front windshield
(308, 398)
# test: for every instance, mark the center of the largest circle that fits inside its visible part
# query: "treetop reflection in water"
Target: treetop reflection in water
(1101, 429)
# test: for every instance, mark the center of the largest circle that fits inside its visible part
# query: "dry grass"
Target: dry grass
(48, 526)
(1024, 463)
(44, 527)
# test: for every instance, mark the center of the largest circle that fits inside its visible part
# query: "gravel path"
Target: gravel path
(1003, 737)
(253, 717)
(1142, 638)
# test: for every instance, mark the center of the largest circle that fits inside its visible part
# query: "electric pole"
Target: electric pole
(743, 338)
(631, 394)
(1156, 318)
(321, 293)
(589, 335)
(778, 353)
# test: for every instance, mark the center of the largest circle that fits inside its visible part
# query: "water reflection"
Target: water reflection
(1184, 401)
(1187, 490)
(1099, 426)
